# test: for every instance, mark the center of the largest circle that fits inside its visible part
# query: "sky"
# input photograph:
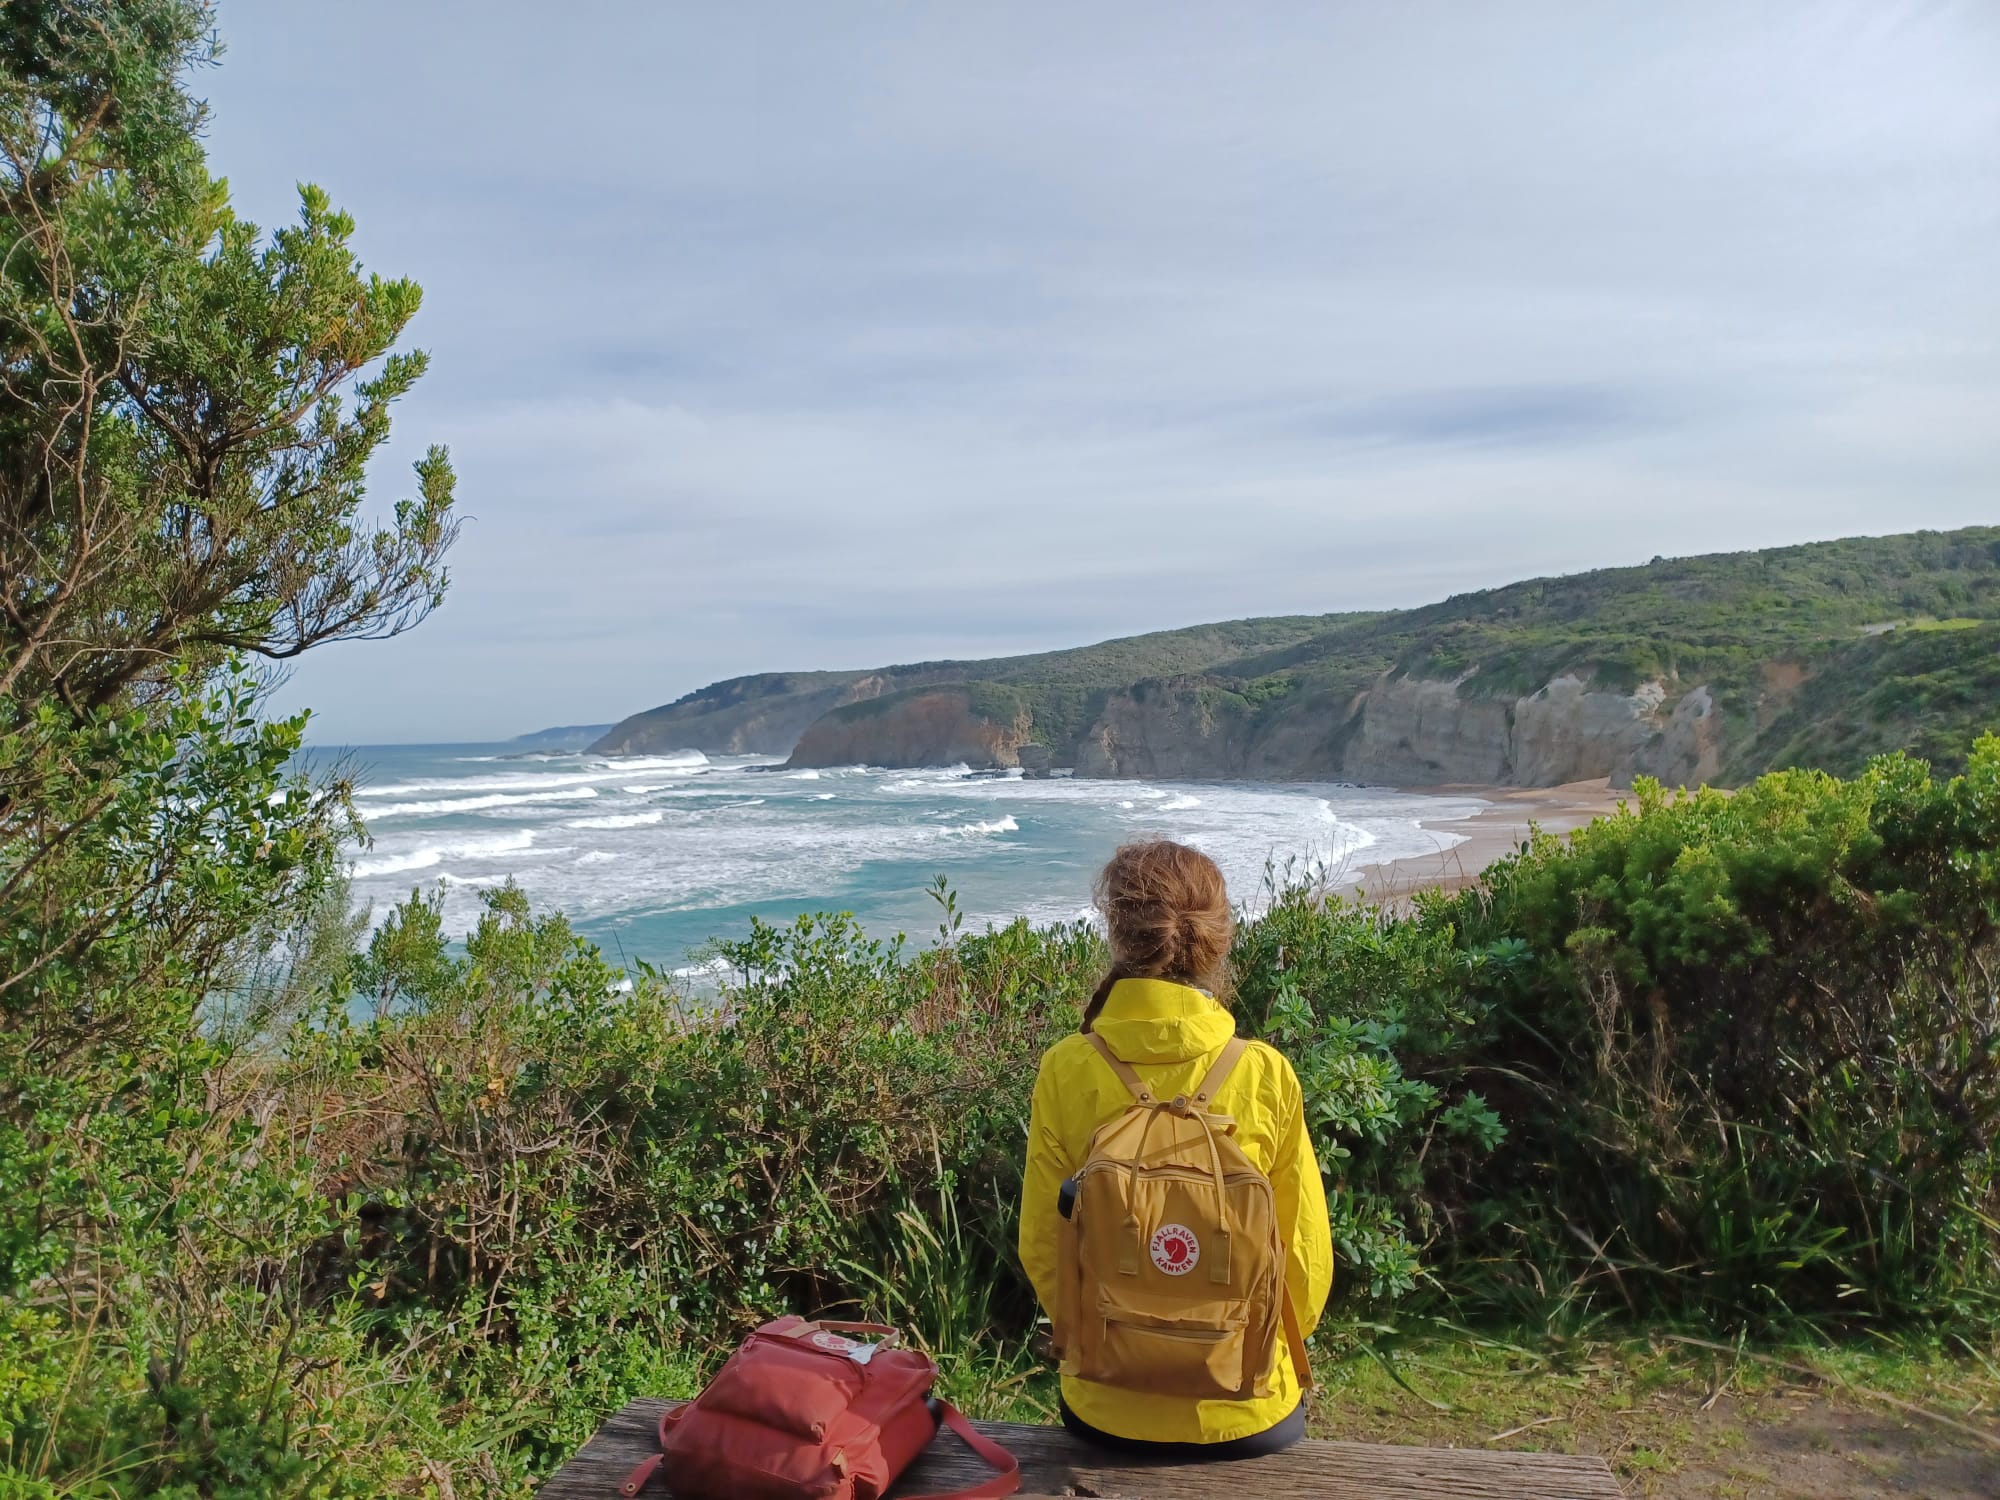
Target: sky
(781, 336)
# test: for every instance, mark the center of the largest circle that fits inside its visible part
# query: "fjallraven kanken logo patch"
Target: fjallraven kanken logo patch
(1175, 1249)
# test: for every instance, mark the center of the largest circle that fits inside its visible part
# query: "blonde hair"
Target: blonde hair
(1166, 912)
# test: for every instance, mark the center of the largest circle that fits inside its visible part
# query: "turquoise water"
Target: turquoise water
(652, 855)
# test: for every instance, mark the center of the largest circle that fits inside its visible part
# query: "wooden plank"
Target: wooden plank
(600, 1465)
(1055, 1464)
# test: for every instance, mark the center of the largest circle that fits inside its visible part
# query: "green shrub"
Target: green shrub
(1754, 1061)
(1724, 1060)
(1372, 1010)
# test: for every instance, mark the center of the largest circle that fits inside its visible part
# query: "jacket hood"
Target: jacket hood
(1157, 1021)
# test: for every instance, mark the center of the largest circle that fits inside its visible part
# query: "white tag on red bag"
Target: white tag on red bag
(833, 1343)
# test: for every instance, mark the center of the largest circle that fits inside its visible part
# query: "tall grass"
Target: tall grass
(938, 1281)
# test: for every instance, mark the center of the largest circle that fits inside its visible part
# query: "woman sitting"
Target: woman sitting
(1181, 1305)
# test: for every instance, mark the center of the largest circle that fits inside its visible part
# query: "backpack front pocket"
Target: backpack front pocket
(1186, 1350)
(794, 1389)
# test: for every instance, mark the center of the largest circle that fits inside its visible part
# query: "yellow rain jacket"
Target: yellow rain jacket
(1170, 1034)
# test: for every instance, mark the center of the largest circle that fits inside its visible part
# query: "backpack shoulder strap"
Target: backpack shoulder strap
(1124, 1070)
(1212, 1082)
(1295, 1339)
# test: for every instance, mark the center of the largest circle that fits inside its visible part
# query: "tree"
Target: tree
(187, 411)
(179, 476)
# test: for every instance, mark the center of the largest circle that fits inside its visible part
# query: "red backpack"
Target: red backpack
(802, 1412)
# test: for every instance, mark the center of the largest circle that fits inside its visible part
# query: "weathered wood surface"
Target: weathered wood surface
(1054, 1463)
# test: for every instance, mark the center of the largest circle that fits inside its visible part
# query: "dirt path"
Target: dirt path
(1814, 1448)
(1676, 1423)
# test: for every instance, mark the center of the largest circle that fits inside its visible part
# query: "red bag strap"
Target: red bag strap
(1005, 1482)
(636, 1480)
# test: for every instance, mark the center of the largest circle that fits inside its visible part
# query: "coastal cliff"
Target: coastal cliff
(1690, 670)
(919, 727)
(761, 715)
(1431, 732)
(768, 714)
(1411, 732)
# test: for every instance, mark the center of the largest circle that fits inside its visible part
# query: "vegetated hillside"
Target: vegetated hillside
(560, 737)
(1689, 669)
(766, 714)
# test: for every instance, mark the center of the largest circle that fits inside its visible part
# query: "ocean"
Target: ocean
(652, 856)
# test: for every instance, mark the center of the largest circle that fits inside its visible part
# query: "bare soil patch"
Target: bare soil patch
(1816, 1447)
(1676, 1423)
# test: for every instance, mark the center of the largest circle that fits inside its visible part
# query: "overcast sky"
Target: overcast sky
(834, 334)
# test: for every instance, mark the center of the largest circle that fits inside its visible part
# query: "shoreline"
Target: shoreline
(1468, 843)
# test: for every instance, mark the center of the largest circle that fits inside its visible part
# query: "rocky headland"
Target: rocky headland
(1694, 670)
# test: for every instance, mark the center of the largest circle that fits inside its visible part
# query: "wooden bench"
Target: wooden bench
(1054, 1463)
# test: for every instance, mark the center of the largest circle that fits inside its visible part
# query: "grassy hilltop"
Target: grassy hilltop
(766, 713)
(1817, 655)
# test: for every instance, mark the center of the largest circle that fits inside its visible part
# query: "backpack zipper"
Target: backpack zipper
(1192, 1335)
(1177, 1174)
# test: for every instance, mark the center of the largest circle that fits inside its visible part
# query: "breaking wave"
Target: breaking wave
(444, 807)
(618, 820)
(978, 830)
(679, 849)
(429, 856)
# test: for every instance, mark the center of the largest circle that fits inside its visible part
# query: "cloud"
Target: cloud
(783, 335)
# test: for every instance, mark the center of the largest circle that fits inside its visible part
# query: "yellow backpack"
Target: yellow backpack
(1173, 1276)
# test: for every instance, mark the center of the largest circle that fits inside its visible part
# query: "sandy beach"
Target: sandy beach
(1468, 844)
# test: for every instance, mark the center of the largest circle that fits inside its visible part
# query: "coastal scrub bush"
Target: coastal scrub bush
(1751, 1071)
(1373, 1009)
(532, 1154)
(165, 837)
(1721, 1060)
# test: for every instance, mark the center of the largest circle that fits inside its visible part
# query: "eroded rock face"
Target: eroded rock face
(1689, 749)
(1411, 732)
(1567, 731)
(1165, 729)
(1400, 731)
(936, 727)
(1418, 733)
(1415, 732)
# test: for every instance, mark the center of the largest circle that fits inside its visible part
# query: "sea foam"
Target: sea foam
(977, 830)
(690, 763)
(428, 856)
(679, 848)
(618, 820)
(445, 807)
